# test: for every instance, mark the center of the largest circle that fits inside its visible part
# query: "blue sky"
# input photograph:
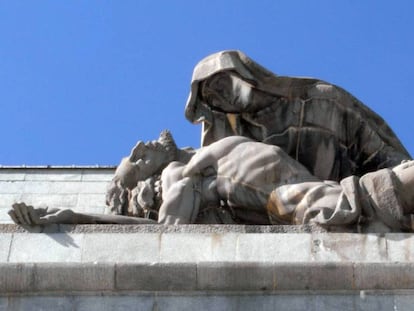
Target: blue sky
(82, 81)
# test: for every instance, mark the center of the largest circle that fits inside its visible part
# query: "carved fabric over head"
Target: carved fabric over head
(318, 124)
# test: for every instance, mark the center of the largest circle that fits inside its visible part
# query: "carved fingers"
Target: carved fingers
(23, 214)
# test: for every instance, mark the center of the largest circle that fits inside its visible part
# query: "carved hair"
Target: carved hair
(167, 141)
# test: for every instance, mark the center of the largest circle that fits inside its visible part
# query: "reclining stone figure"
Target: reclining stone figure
(260, 183)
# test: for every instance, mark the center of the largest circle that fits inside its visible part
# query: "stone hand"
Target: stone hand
(24, 214)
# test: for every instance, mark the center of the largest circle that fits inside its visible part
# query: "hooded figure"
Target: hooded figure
(318, 124)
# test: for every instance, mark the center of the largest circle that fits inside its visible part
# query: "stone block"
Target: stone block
(267, 247)
(183, 247)
(400, 247)
(4, 216)
(336, 247)
(119, 303)
(90, 209)
(5, 242)
(156, 277)
(223, 246)
(4, 304)
(11, 187)
(313, 276)
(121, 247)
(384, 276)
(6, 200)
(52, 200)
(43, 303)
(64, 187)
(11, 174)
(93, 187)
(16, 277)
(69, 174)
(375, 301)
(59, 277)
(404, 301)
(235, 276)
(98, 175)
(53, 247)
(91, 200)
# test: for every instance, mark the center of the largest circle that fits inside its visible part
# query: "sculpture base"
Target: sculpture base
(88, 267)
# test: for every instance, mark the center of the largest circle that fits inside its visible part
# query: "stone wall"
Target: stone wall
(79, 188)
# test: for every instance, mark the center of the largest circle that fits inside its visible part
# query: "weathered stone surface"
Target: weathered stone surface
(400, 247)
(274, 247)
(121, 247)
(5, 242)
(185, 248)
(178, 301)
(52, 247)
(384, 275)
(57, 277)
(16, 277)
(349, 247)
(156, 277)
(236, 276)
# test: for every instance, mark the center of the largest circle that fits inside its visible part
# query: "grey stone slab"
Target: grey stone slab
(4, 216)
(93, 187)
(235, 276)
(6, 200)
(98, 175)
(58, 277)
(91, 200)
(375, 301)
(53, 247)
(119, 303)
(121, 247)
(404, 301)
(52, 200)
(384, 276)
(185, 247)
(64, 187)
(43, 303)
(16, 277)
(224, 247)
(400, 247)
(156, 277)
(313, 276)
(10, 174)
(4, 304)
(90, 209)
(11, 187)
(53, 174)
(5, 242)
(346, 247)
(267, 247)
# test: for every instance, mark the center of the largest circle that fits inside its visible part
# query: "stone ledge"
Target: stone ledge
(194, 258)
(47, 278)
(12, 228)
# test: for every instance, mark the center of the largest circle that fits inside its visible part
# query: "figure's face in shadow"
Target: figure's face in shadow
(227, 91)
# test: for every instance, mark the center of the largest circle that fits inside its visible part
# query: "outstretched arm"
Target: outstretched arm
(23, 214)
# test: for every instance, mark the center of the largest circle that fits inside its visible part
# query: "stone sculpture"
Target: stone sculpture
(308, 118)
(276, 150)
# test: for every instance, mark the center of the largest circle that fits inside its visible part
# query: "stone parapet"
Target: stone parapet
(118, 258)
